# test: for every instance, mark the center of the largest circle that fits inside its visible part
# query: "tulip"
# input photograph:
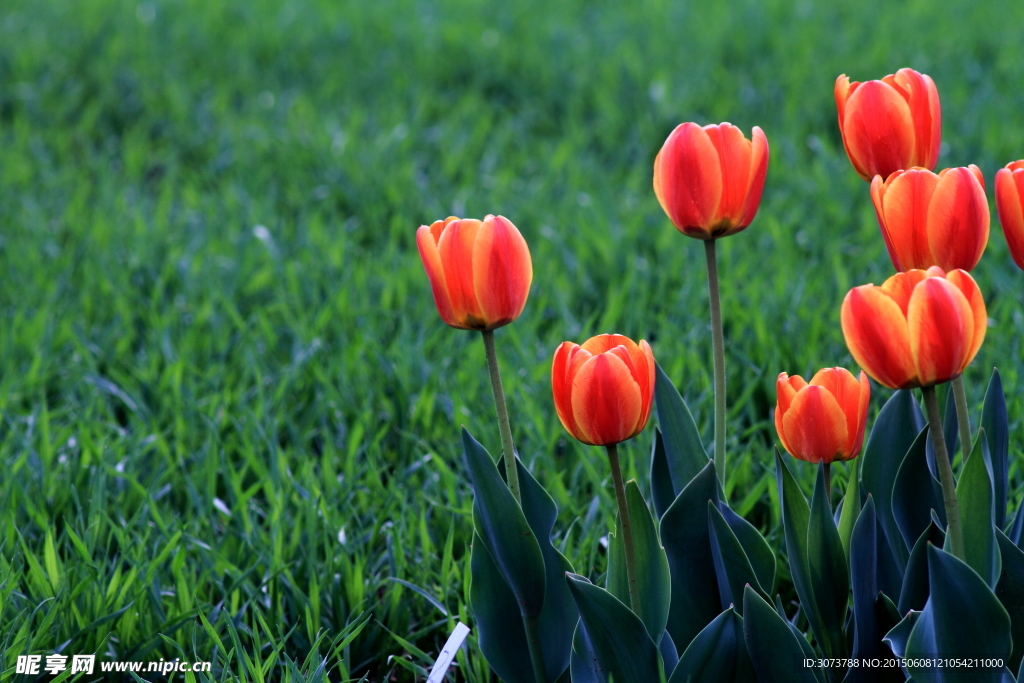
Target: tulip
(890, 125)
(919, 329)
(709, 180)
(930, 219)
(822, 421)
(1010, 205)
(480, 271)
(603, 390)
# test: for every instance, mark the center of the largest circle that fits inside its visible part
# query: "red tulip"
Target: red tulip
(709, 180)
(920, 328)
(933, 220)
(603, 389)
(823, 420)
(1010, 205)
(480, 271)
(890, 125)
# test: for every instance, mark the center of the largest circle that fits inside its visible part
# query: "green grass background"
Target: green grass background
(225, 441)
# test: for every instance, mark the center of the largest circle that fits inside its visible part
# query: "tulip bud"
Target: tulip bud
(480, 271)
(933, 220)
(822, 421)
(1010, 205)
(890, 125)
(709, 180)
(603, 390)
(919, 329)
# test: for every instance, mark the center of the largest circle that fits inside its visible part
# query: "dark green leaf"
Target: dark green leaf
(583, 664)
(851, 508)
(760, 554)
(864, 581)
(996, 424)
(662, 490)
(624, 650)
(499, 625)
(827, 570)
(899, 634)
(916, 493)
(683, 448)
(774, 648)
(684, 533)
(717, 655)
(915, 582)
(977, 514)
(669, 654)
(1010, 591)
(731, 564)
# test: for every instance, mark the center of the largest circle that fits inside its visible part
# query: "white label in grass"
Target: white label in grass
(447, 656)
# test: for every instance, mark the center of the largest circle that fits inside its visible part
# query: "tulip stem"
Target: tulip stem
(828, 483)
(718, 346)
(536, 657)
(963, 418)
(954, 530)
(501, 408)
(627, 527)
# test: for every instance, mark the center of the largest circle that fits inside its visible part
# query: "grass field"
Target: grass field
(229, 412)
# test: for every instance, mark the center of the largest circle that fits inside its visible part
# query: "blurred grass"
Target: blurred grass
(228, 410)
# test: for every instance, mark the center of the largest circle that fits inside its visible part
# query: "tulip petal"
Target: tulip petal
(941, 325)
(878, 130)
(426, 243)
(815, 425)
(1009, 204)
(734, 156)
(878, 337)
(958, 220)
(647, 390)
(849, 393)
(786, 388)
(688, 180)
(606, 401)
(923, 98)
(502, 271)
(901, 286)
(561, 384)
(969, 288)
(456, 249)
(758, 171)
(901, 204)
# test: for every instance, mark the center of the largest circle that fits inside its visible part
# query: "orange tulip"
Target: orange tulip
(1010, 205)
(603, 389)
(480, 271)
(709, 180)
(920, 328)
(823, 420)
(890, 125)
(933, 220)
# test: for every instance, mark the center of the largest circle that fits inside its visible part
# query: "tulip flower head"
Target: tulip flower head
(930, 219)
(1010, 205)
(822, 421)
(709, 180)
(604, 388)
(480, 271)
(919, 329)
(890, 125)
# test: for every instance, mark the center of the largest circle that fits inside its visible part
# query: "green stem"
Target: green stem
(627, 527)
(503, 425)
(718, 346)
(533, 641)
(963, 418)
(953, 527)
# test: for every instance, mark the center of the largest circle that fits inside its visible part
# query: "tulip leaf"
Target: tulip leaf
(669, 654)
(1010, 591)
(977, 514)
(916, 493)
(996, 425)
(687, 541)
(851, 509)
(950, 430)
(662, 490)
(624, 650)
(583, 664)
(654, 585)
(760, 554)
(897, 425)
(864, 581)
(683, 448)
(774, 648)
(915, 582)
(827, 570)
(1014, 530)
(899, 634)
(717, 655)
(959, 597)
(731, 563)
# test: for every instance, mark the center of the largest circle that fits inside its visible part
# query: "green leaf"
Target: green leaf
(731, 563)
(502, 526)
(897, 425)
(1010, 591)
(915, 582)
(863, 579)
(899, 635)
(851, 509)
(683, 448)
(620, 642)
(827, 570)
(717, 655)
(996, 425)
(916, 492)
(962, 619)
(760, 554)
(583, 664)
(662, 490)
(775, 649)
(950, 427)
(977, 514)
(687, 541)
